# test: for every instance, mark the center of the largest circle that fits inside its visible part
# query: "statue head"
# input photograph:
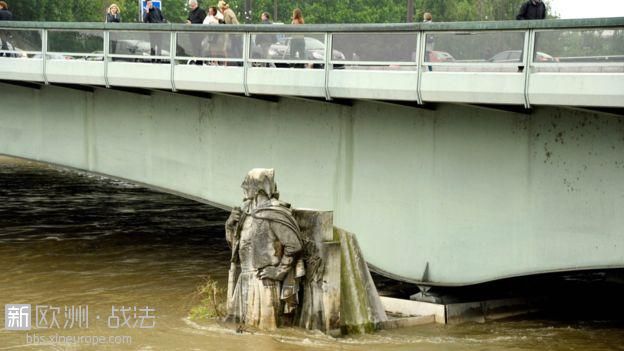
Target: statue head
(260, 181)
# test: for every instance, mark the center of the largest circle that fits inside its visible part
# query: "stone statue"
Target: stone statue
(266, 260)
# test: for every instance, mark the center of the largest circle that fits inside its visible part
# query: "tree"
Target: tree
(315, 11)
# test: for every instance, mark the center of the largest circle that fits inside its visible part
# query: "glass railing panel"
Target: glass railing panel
(300, 50)
(579, 50)
(19, 43)
(209, 48)
(69, 45)
(128, 46)
(375, 50)
(474, 51)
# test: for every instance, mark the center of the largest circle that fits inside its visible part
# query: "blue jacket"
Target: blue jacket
(6, 15)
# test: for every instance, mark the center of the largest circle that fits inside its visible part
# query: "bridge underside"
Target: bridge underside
(452, 195)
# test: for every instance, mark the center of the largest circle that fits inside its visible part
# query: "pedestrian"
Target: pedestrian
(213, 16)
(229, 17)
(297, 41)
(154, 15)
(265, 40)
(113, 15)
(5, 14)
(214, 41)
(234, 44)
(428, 18)
(196, 15)
(532, 10)
(265, 18)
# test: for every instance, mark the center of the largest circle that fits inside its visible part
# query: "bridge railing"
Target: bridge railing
(520, 62)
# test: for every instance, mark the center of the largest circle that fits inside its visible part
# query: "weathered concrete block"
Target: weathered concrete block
(414, 308)
(339, 295)
(361, 307)
(320, 308)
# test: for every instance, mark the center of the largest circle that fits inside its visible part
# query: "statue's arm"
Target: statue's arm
(288, 238)
(230, 225)
(292, 247)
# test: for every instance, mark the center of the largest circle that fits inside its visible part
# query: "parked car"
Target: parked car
(12, 51)
(134, 47)
(440, 56)
(314, 49)
(53, 56)
(516, 56)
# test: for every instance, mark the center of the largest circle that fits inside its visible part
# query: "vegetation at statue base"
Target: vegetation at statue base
(314, 11)
(212, 301)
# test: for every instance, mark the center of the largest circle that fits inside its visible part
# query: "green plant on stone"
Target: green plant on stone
(212, 301)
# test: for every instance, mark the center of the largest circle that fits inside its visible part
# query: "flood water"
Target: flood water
(72, 239)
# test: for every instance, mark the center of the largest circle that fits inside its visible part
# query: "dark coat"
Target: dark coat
(532, 10)
(154, 16)
(197, 16)
(6, 15)
(110, 18)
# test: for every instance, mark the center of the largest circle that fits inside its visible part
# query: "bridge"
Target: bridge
(459, 153)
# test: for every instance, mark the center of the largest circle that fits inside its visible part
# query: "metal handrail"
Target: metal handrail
(246, 54)
(106, 50)
(44, 55)
(528, 54)
(173, 39)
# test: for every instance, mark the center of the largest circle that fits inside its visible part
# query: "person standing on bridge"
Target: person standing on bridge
(229, 17)
(154, 15)
(5, 14)
(196, 15)
(428, 18)
(113, 14)
(532, 10)
(297, 41)
(214, 41)
(264, 41)
(214, 16)
(233, 43)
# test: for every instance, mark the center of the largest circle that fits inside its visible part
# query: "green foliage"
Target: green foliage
(314, 11)
(89, 10)
(212, 301)
(381, 11)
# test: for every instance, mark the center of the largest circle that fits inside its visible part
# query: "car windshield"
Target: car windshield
(314, 44)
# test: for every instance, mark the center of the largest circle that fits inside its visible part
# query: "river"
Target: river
(69, 240)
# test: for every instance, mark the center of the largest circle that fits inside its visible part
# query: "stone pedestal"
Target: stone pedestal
(339, 295)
